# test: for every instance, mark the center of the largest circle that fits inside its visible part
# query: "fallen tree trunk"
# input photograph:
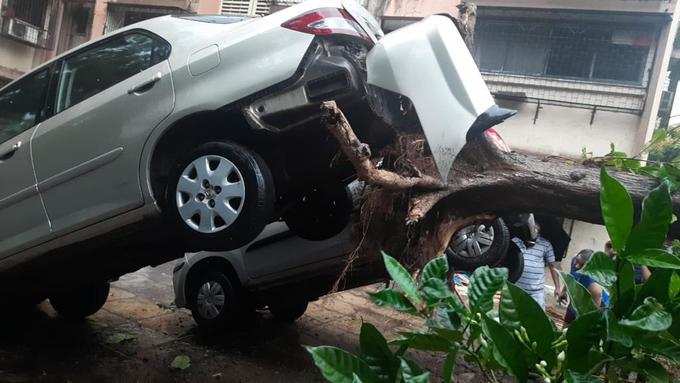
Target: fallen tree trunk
(416, 215)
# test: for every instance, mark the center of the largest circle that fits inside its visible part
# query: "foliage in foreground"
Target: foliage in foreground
(515, 337)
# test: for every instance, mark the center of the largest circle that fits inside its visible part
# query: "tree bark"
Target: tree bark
(484, 180)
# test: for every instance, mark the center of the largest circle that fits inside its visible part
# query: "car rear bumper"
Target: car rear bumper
(429, 63)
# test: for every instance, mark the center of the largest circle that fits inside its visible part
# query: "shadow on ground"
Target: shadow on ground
(138, 333)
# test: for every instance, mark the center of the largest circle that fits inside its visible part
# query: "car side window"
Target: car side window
(96, 69)
(21, 104)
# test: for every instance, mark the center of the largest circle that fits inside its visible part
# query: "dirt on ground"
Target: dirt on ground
(139, 332)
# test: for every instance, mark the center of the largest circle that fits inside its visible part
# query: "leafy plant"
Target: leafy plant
(515, 337)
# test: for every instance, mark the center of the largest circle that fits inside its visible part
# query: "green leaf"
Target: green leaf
(412, 373)
(423, 341)
(402, 278)
(449, 366)
(537, 324)
(507, 312)
(507, 347)
(674, 288)
(484, 284)
(393, 299)
(583, 334)
(617, 210)
(580, 297)
(436, 268)
(653, 371)
(656, 217)
(660, 345)
(181, 362)
(658, 286)
(445, 318)
(575, 377)
(650, 316)
(435, 290)
(120, 337)
(601, 268)
(623, 292)
(616, 332)
(655, 258)
(376, 354)
(339, 366)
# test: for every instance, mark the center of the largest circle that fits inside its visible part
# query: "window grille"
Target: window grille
(603, 52)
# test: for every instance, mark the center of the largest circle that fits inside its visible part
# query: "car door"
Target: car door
(278, 250)
(109, 97)
(22, 217)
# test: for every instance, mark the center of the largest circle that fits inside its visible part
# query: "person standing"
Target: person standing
(537, 255)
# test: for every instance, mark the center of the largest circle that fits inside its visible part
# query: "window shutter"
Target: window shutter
(245, 7)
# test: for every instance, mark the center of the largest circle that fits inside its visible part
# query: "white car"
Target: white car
(193, 133)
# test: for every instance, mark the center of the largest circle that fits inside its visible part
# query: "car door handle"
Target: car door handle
(6, 155)
(147, 85)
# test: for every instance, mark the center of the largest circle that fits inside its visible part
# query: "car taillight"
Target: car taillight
(327, 21)
(497, 140)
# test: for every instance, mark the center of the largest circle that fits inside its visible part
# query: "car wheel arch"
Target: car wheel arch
(189, 132)
(207, 264)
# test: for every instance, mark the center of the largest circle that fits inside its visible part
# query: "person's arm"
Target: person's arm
(596, 292)
(554, 273)
(549, 258)
(646, 273)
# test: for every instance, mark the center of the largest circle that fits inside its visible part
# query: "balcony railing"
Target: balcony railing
(24, 32)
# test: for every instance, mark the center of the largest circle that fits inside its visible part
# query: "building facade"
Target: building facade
(583, 76)
(34, 31)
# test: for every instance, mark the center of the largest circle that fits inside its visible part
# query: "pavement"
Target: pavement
(139, 332)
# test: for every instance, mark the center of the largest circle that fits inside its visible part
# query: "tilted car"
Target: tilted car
(187, 133)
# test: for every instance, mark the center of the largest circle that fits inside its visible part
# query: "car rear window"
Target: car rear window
(216, 19)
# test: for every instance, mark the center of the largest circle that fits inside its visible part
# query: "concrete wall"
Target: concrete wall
(15, 55)
(565, 131)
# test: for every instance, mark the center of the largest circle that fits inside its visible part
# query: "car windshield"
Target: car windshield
(216, 19)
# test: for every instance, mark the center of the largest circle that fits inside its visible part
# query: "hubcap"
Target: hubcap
(472, 241)
(210, 194)
(210, 300)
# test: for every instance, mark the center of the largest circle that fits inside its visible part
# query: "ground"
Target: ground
(42, 347)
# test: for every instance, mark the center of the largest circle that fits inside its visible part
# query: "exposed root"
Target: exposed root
(359, 154)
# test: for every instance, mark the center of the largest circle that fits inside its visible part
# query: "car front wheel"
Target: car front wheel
(220, 197)
(80, 302)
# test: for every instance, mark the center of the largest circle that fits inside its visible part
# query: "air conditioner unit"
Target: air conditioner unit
(23, 31)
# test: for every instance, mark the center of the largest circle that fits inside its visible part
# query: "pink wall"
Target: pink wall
(208, 7)
(420, 8)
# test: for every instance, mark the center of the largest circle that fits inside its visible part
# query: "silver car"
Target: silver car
(278, 270)
(193, 133)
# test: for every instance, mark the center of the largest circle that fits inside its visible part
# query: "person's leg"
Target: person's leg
(539, 297)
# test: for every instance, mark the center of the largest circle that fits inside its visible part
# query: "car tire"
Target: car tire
(477, 245)
(79, 303)
(320, 213)
(288, 312)
(220, 197)
(215, 301)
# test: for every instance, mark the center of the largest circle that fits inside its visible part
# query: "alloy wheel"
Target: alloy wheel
(473, 241)
(210, 194)
(210, 300)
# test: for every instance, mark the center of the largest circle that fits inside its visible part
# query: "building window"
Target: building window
(584, 51)
(30, 11)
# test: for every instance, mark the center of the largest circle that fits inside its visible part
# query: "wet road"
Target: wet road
(42, 347)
